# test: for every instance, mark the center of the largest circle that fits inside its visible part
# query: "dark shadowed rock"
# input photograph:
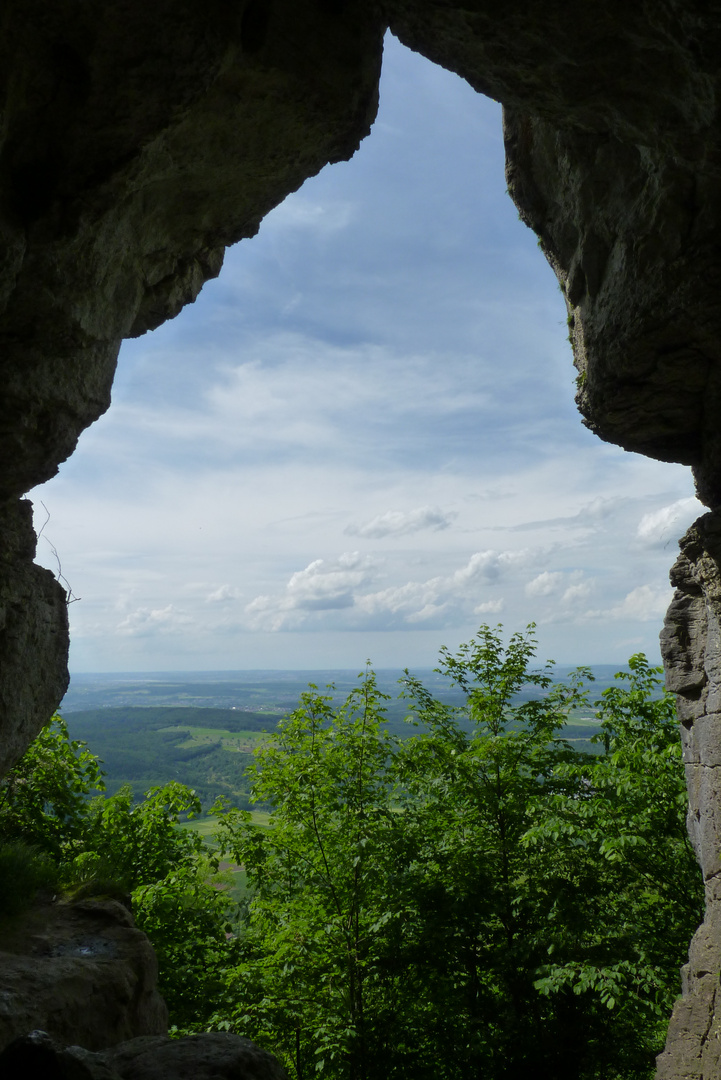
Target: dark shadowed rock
(38, 1055)
(80, 972)
(213, 1056)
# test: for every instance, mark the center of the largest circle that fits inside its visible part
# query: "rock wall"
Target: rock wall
(33, 635)
(138, 139)
(691, 647)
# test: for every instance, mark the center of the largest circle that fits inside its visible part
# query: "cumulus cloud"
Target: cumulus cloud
(642, 604)
(345, 585)
(326, 585)
(490, 607)
(456, 593)
(545, 584)
(669, 523)
(144, 621)
(222, 595)
(400, 523)
(321, 586)
(575, 594)
(490, 565)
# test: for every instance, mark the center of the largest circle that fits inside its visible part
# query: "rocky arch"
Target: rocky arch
(138, 140)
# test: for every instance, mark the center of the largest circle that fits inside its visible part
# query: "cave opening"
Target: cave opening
(361, 439)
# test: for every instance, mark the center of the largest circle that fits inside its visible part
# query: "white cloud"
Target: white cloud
(408, 600)
(661, 527)
(490, 607)
(321, 587)
(343, 586)
(642, 604)
(222, 595)
(490, 565)
(148, 621)
(545, 584)
(574, 594)
(400, 523)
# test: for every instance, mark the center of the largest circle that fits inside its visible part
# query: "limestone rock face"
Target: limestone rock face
(80, 972)
(33, 636)
(691, 647)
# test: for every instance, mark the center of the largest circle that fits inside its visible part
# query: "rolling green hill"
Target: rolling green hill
(208, 749)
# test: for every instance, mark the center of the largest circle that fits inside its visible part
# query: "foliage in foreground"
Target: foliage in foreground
(466, 903)
(476, 900)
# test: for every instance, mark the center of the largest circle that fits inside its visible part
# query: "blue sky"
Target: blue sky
(361, 440)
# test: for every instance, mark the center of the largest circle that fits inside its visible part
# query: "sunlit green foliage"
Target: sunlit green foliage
(43, 799)
(478, 900)
(475, 900)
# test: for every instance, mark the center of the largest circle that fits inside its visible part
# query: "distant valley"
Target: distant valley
(201, 728)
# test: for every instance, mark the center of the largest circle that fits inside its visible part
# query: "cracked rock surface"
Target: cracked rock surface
(691, 648)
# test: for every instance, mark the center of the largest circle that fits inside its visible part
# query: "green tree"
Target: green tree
(139, 842)
(621, 846)
(474, 781)
(191, 921)
(54, 834)
(44, 798)
(477, 900)
(314, 984)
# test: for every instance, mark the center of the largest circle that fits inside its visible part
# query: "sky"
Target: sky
(361, 441)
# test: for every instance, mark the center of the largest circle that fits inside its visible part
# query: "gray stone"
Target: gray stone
(692, 654)
(81, 972)
(211, 1056)
(33, 636)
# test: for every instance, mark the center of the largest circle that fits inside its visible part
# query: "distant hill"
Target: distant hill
(132, 718)
(201, 727)
(208, 749)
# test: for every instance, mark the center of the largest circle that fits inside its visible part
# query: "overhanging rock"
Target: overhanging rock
(138, 140)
